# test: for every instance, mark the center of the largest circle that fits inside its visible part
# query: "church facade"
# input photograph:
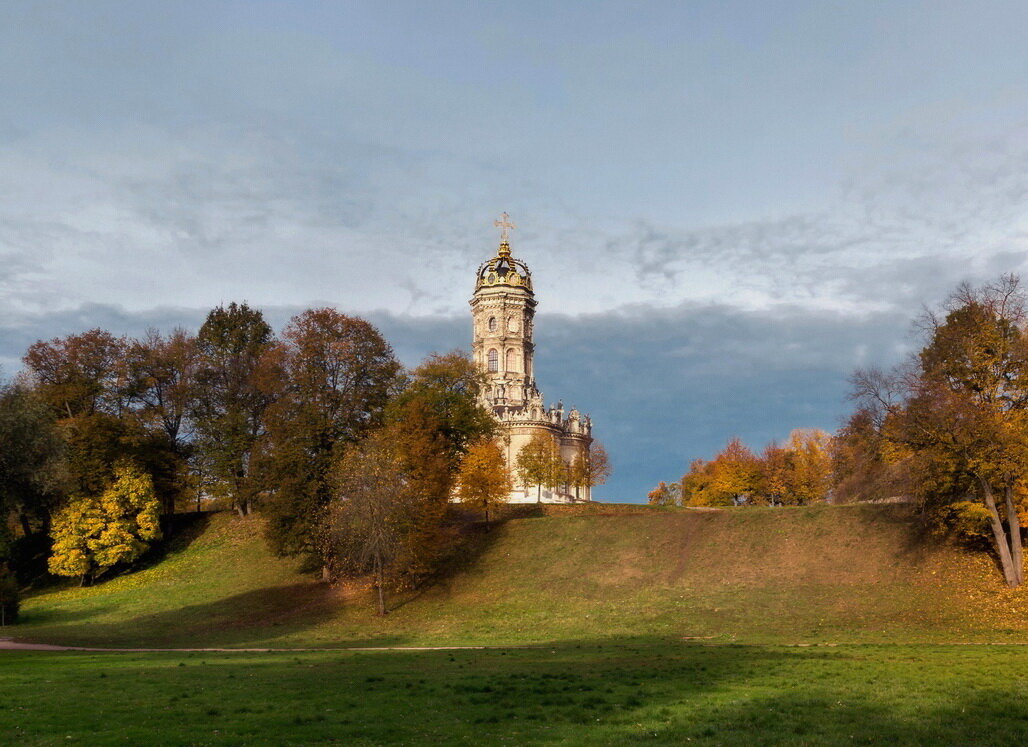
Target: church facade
(503, 314)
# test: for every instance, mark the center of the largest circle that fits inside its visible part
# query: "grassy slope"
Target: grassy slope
(758, 575)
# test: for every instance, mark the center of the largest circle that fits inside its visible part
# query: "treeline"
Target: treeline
(946, 429)
(349, 458)
(794, 474)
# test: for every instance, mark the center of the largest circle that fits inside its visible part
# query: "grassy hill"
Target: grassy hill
(822, 574)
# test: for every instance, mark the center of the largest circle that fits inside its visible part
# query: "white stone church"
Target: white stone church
(503, 309)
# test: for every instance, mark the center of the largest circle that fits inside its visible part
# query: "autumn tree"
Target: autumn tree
(161, 385)
(539, 463)
(665, 494)
(232, 394)
(808, 466)
(337, 374)
(866, 465)
(368, 517)
(81, 374)
(84, 379)
(730, 478)
(94, 533)
(960, 408)
(589, 468)
(483, 479)
(773, 479)
(161, 375)
(697, 484)
(448, 386)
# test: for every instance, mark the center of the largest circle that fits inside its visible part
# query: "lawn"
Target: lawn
(667, 626)
(619, 692)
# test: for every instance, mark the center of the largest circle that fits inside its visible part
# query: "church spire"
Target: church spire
(505, 226)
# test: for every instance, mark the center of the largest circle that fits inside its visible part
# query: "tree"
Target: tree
(539, 463)
(31, 452)
(590, 468)
(93, 533)
(232, 393)
(449, 388)
(696, 484)
(665, 494)
(865, 464)
(809, 466)
(960, 408)
(80, 374)
(483, 479)
(731, 478)
(773, 479)
(364, 526)
(161, 382)
(10, 600)
(337, 375)
(161, 379)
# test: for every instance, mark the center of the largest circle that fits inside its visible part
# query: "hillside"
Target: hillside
(851, 573)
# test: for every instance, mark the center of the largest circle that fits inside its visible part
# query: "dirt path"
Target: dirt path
(9, 644)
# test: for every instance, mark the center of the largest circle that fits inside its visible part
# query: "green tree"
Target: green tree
(234, 386)
(92, 534)
(31, 467)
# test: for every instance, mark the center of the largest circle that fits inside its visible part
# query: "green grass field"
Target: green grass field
(668, 626)
(619, 693)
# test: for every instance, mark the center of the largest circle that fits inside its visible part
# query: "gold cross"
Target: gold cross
(504, 225)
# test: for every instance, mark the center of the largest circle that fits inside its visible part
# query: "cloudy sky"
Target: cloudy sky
(727, 206)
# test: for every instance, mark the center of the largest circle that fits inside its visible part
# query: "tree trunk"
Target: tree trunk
(381, 592)
(26, 527)
(1000, 536)
(538, 493)
(1014, 524)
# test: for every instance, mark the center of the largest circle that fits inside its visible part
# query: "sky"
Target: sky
(727, 206)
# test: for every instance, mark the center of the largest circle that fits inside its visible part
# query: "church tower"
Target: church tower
(502, 310)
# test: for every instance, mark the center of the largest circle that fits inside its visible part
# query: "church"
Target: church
(503, 312)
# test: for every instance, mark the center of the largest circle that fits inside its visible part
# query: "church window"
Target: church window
(492, 324)
(512, 361)
(494, 361)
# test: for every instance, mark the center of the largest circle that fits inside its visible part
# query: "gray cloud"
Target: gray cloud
(663, 386)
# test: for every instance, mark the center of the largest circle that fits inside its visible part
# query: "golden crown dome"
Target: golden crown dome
(503, 269)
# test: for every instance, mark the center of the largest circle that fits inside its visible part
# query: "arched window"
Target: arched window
(492, 324)
(512, 361)
(494, 361)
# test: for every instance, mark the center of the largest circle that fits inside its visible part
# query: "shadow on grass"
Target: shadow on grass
(616, 691)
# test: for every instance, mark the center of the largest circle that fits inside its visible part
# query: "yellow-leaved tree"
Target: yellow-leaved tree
(93, 533)
(483, 479)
